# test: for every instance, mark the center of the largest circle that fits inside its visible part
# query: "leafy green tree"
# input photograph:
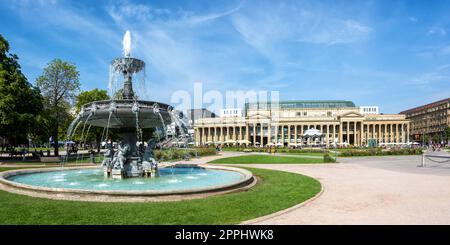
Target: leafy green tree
(425, 139)
(95, 133)
(447, 134)
(90, 96)
(118, 95)
(59, 84)
(20, 102)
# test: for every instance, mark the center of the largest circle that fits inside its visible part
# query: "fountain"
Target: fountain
(133, 158)
(128, 170)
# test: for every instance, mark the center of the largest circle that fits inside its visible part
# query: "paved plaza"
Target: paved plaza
(372, 190)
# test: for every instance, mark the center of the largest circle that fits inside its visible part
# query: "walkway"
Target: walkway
(372, 190)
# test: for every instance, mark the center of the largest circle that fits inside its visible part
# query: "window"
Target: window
(304, 113)
(328, 113)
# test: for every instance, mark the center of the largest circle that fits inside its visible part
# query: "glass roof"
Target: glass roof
(298, 104)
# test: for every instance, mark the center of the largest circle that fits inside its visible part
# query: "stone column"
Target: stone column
(391, 133)
(210, 135)
(379, 138)
(247, 133)
(295, 134)
(275, 131)
(340, 132)
(348, 132)
(241, 131)
(361, 134)
(407, 132)
(367, 133)
(397, 138)
(254, 133)
(373, 131)
(269, 133)
(196, 136)
(282, 134)
(203, 135)
(403, 132)
(289, 134)
(333, 132)
(262, 134)
(213, 133)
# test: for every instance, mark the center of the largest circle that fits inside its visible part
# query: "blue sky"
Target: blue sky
(394, 54)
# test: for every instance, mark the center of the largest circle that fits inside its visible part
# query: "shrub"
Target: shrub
(328, 158)
(379, 152)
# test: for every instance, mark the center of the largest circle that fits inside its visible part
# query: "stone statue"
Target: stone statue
(108, 156)
(120, 156)
(148, 161)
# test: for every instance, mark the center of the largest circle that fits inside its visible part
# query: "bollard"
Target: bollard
(423, 160)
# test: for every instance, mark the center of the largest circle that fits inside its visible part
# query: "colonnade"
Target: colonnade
(354, 132)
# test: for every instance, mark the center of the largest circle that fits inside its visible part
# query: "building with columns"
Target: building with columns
(285, 123)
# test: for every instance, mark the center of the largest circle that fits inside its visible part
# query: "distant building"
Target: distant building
(233, 112)
(286, 124)
(368, 110)
(194, 114)
(429, 121)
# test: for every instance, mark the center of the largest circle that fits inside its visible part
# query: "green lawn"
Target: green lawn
(263, 159)
(315, 154)
(278, 191)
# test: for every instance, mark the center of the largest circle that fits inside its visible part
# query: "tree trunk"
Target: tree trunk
(55, 139)
(98, 138)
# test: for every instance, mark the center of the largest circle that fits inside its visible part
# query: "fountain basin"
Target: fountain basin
(87, 183)
(123, 117)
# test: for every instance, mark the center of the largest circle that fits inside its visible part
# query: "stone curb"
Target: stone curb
(284, 211)
(87, 195)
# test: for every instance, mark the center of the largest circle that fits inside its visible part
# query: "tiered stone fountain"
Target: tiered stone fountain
(133, 157)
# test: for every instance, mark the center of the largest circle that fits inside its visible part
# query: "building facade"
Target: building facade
(194, 114)
(231, 112)
(285, 123)
(366, 110)
(428, 122)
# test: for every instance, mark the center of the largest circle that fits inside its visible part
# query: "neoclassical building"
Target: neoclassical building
(285, 123)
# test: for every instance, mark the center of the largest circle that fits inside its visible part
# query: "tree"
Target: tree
(87, 97)
(20, 102)
(447, 134)
(90, 96)
(59, 84)
(425, 139)
(118, 95)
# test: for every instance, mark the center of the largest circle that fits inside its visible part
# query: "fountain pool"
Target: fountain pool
(170, 179)
(87, 183)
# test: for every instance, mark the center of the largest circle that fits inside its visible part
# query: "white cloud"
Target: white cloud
(428, 78)
(126, 10)
(413, 19)
(437, 30)
(267, 25)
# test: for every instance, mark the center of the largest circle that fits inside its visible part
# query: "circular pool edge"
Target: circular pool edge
(245, 183)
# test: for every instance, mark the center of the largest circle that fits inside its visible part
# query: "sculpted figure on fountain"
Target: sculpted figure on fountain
(108, 155)
(120, 156)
